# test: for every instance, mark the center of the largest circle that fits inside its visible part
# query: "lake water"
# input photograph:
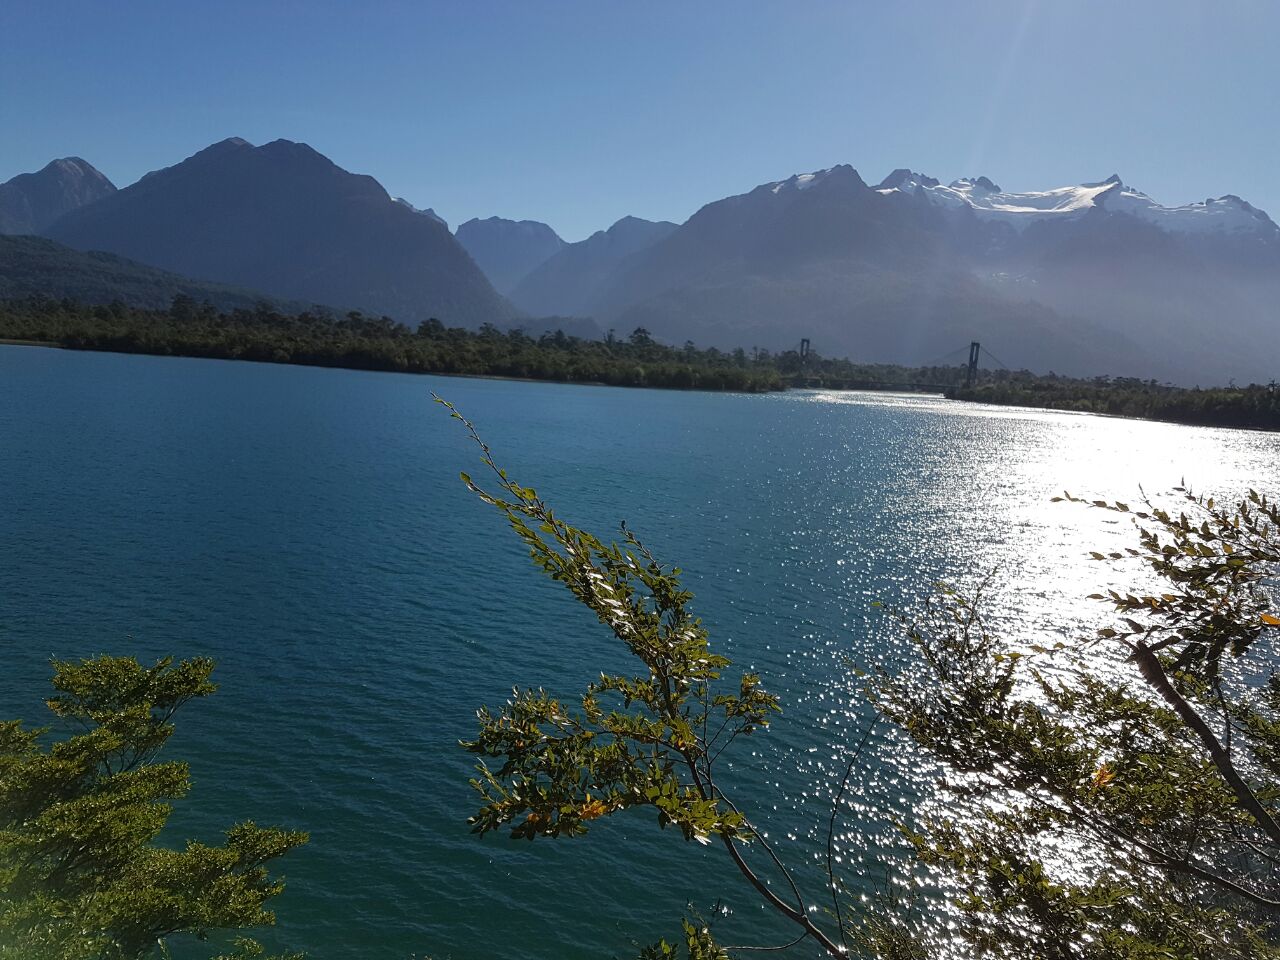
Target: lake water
(307, 529)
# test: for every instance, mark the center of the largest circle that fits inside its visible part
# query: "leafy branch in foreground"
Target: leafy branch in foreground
(650, 740)
(1114, 806)
(1095, 806)
(80, 876)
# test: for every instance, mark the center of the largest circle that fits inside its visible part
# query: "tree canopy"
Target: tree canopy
(82, 876)
(359, 341)
(271, 333)
(1256, 406)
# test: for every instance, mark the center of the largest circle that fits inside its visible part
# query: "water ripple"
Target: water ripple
(307, 529)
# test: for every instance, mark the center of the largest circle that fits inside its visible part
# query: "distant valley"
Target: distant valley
(1094, 278)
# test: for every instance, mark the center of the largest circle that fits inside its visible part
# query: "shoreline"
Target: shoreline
(886, 390)
(55, 345)
(7, 342)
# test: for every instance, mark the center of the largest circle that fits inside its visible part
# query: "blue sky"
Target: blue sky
(578, 113)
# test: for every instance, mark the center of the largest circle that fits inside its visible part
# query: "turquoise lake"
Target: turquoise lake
(308, 530)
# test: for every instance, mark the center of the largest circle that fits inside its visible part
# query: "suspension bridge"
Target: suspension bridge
(967, 372)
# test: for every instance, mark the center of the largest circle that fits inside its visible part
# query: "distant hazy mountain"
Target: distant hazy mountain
(285, 220)
(508, 250)
(569, 283)
(37, 267)
(31, 201)
(1196, 285)
(1086, 279)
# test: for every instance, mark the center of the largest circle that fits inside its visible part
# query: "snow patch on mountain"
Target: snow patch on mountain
(987, 200)
(806, 181)
(1227, 214)
(800, 181)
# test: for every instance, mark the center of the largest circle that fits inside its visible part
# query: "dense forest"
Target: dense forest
(362, 342)
(355, 340)
(1254, 407)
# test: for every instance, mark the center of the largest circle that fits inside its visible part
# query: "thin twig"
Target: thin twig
(831, 827)
(781, 946)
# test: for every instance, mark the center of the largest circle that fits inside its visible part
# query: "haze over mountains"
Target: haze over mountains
(508, 250)
(1082, 279)
(571, 281)
(1091, 278)
(35, 267)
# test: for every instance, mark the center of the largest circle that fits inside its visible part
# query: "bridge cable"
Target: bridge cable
(938, 360)
(995, 358)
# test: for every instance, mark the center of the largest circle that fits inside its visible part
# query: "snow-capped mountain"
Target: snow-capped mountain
(832, 176)
(1228, 214)
(1094, 277)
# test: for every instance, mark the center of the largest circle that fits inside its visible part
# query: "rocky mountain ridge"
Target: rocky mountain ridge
(30, 202)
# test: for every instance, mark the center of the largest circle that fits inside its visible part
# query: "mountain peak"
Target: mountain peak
(630, 224)
(508, 250)
(567, 283)
(283, 219)
(296, 159)
(32, 201)
(632, 233)
(70, 165)
(1111, 181)
(230, 143)
(902, 177)
(219, 149)
(983, 184)
(292, 148)
(505, 223)
(80, 171)
(842, 174)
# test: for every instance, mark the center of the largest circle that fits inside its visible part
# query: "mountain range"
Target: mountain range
(286, 221)
(1087, 279)
(1091, 278)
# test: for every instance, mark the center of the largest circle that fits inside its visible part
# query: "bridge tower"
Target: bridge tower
(975, 348)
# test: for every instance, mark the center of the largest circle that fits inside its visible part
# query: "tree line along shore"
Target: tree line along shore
(358, 341)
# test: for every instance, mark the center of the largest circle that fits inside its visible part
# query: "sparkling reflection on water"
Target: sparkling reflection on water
(307, 529)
